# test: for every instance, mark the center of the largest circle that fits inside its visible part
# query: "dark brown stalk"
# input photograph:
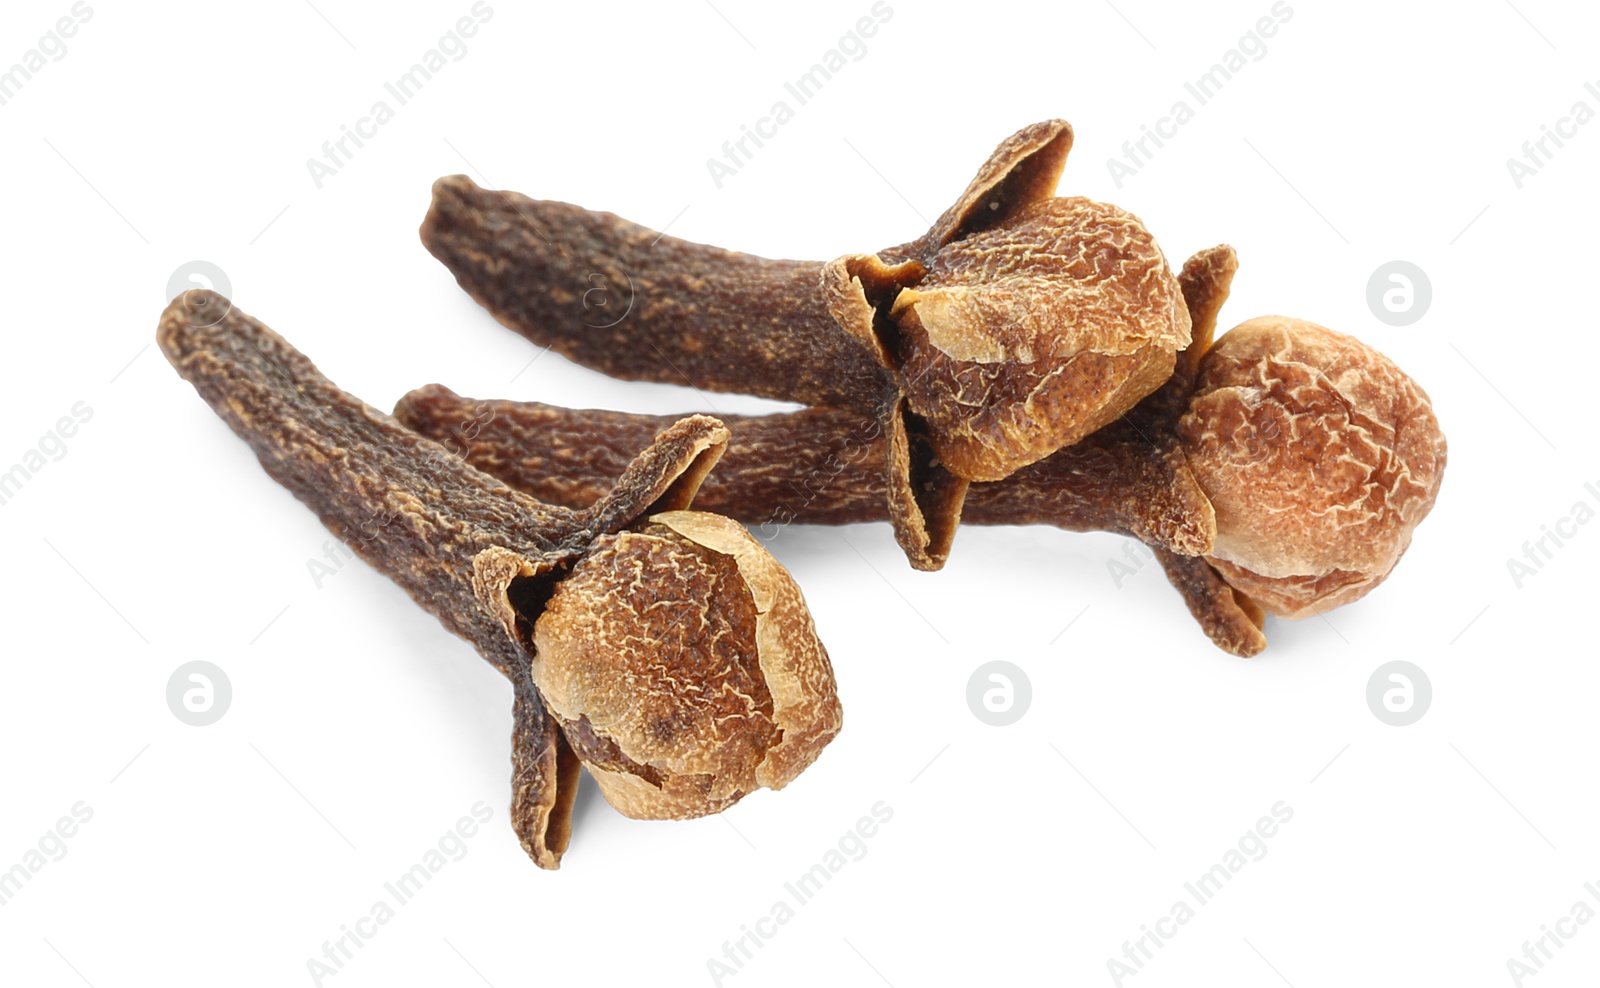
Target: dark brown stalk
(481, 557)
(1017, 325)
(639, 305)
(817, 466)
(826, 466)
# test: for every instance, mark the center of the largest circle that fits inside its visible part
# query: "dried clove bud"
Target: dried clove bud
(1017, 325)
(1320, 458)
(657, 693)
(513, 575)
(1188, 471)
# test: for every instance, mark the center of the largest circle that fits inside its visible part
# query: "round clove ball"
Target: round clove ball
(1026, 337)
(683, 666)
(1320, 457)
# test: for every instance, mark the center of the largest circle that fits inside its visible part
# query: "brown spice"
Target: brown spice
(1017, 325)
(1172, 472)
(1320, 457)
(536, 587)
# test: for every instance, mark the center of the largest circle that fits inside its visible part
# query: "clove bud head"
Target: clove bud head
(683, 666)
(1028, 336)
(1320, 457)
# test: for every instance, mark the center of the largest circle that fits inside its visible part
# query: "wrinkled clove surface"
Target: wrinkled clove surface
(1319, 456)
(740, 695)
(1017, 325)
(1238, 472)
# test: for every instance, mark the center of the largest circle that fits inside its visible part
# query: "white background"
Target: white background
(360, 731)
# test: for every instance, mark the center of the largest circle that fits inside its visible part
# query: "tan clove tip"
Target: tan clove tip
(1034, 320)
(1028, 337)
(684, 668)
(1320, 457)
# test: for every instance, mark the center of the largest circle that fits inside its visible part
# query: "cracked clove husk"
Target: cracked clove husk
(1017, 325)
(1248, 497)
(567, 604)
